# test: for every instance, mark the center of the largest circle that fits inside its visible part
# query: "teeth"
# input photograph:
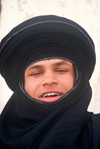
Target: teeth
(50, 94)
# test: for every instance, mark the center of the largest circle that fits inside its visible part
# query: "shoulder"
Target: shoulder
(90, 136)
(94, 125)
(96, 120)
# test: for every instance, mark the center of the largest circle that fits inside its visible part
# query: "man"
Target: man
(47, 61)
(45, 80)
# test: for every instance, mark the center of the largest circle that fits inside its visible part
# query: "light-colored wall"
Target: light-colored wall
(84, 12)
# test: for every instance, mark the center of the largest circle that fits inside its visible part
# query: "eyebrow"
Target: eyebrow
(61, 63)
(55, 64)
(36, 66)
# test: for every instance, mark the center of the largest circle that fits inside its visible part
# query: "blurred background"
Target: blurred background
(84, 12)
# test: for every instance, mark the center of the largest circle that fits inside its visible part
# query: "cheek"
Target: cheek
(67, 81)
(31, 86)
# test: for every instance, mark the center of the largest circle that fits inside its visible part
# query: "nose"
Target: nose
(49, 79)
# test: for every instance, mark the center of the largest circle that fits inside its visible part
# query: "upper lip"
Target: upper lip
(50, 91)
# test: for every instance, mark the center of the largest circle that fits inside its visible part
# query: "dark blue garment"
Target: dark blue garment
(27, 123)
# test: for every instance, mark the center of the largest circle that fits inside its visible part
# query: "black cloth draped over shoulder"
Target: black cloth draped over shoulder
(27, 123)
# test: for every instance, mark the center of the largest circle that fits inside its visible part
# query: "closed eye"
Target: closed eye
(35, 74)
(61, 70)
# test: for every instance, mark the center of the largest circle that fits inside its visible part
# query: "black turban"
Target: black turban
(45, 37)
(27, 123)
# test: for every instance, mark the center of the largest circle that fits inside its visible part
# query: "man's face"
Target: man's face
(49, 80)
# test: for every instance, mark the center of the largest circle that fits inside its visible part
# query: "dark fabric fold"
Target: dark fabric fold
(27, 123)
(30, 124)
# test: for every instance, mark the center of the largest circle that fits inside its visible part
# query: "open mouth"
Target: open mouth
(50, 96)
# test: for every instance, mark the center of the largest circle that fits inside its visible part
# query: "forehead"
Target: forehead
(52, 62)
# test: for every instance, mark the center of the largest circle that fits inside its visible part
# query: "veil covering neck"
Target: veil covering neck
(27, 123)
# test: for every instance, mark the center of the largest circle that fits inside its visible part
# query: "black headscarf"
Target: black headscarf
(28, 123)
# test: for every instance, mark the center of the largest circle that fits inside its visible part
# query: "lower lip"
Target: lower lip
(50, 99)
